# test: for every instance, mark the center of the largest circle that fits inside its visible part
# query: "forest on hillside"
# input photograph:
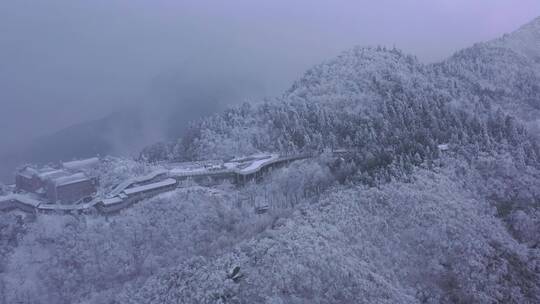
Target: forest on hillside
(397, 219)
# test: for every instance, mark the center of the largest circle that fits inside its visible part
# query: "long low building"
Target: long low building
(20, 202)
(132, 195)
(235, 168)
(150, 187)
(140, 180)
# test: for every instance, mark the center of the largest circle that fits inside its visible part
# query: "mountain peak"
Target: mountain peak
(524, 41)
(530, 29)
(355, 72)
(534, 24)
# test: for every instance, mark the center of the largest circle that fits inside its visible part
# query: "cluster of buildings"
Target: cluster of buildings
(71, 187)
(67, 183)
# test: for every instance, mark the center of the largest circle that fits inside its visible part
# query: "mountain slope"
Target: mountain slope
(370, 82)
(503, 73)
(359, 78)
(391, 110)
(525, 41)
(420, 242)
(468, 218)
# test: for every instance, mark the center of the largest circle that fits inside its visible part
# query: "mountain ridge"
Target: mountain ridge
(525, 40)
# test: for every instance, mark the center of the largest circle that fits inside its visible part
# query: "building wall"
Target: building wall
(51, 192)
(71, 193)
(27, 184)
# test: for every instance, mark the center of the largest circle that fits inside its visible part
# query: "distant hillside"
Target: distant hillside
(174, 99)
(503, 73)
(525, 41)
(114, 134)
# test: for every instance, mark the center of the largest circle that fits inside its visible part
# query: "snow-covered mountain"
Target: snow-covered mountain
(500, 74)
(525, 41)
(461, 230)
(504, 73)
(435, 199)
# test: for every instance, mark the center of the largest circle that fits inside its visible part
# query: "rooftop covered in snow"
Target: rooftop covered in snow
(81, 164)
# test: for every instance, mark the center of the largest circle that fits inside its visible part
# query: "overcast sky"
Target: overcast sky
(67, 61)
